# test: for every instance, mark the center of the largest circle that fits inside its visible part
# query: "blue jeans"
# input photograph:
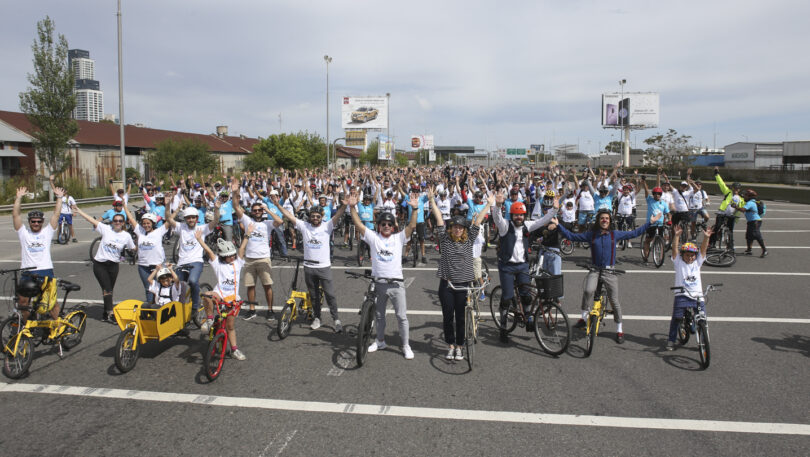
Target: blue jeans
(507, 273)
(282, 242)
(144, 272)
(678, 307)
(193, 279)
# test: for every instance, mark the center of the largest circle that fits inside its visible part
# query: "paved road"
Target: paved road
(305, 396)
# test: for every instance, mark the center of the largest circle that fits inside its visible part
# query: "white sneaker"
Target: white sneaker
(629, 245)
(376, 346)
(338, 326)
(206, 325)
(450, 354)
(459, 355)
(238, 355)
(408, 352)
(316, 324)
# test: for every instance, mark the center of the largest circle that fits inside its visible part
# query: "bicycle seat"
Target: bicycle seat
(70, 287)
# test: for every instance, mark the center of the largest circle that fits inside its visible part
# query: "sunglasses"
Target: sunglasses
(35, 221)
(118, 221)
(386, 224)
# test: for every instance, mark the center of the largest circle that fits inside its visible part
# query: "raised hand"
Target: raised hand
(59, 192)
(491, 200)
(350, 200)
(199, 235)
(658, 215)
(677, 230)
(414, 201)
(708, 231)
(21, 191)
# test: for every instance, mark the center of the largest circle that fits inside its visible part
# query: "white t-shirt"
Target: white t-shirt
(568, 215)
(164, 295)
(67, 202)
(177, 201)
(190, 249)
(389, 206)
(626, 204)
(258, 245)
(696, 199)
(386, 254)
(316, 243)
(227, 277)
(477, 244)
(36, 247)
(585, 200)
(444, 207)
(667, 197)
(688, 275)
(680, 199)
(112, 243)
(150, 245)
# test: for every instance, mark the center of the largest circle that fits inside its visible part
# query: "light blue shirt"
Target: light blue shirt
(656, 206)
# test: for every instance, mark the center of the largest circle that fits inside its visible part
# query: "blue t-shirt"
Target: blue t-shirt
(226, 213)
(751, 213)
(273, 208)
(605, 202)
(110, 213)
(160, 210)
(201, 216)
(420, 215)
(366, 213)
(653, 206)
(475, 208)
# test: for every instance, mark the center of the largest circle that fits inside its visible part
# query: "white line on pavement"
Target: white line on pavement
(769, 428)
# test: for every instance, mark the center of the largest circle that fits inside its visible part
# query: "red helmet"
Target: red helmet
(517, 208)
(657, 190)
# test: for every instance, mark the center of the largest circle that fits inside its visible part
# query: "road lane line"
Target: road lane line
(721, 426)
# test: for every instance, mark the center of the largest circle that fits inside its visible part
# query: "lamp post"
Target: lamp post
(388, 118)
(328, 60)
(334, 148)
(626, 129)
(121, 100)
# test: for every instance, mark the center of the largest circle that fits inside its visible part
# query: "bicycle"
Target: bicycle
(472, 316)
(20, 336)
(722, 254)
(551, 326)
(657, 246)
(624, 226)
(694, 321)
(299, 301)
(214, 358)
(601, 306)
(62, 231)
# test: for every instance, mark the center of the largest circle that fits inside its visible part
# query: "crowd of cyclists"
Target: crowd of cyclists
(394, 211)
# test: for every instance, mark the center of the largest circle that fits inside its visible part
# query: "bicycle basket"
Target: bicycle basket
(550, 286)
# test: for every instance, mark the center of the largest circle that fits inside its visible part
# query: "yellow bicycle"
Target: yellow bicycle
(299, 301)
(601, 306)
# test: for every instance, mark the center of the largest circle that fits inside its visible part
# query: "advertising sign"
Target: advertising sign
(537, 148)
(385, 150)
(364, 112)
(424, 142)
(356, 138)
(634, 109)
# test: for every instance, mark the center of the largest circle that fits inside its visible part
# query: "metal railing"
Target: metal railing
(47, 205)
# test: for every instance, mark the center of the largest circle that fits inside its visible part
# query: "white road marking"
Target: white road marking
(768, 428)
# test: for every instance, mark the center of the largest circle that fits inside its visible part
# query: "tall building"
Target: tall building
(89, 98)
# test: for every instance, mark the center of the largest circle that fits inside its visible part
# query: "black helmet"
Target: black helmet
(316, 209)
(386, 217)
(28, 287)
(36, 214)
(736, 185)
(457, 220)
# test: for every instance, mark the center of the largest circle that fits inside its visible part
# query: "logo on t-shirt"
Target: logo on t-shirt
(36, 246)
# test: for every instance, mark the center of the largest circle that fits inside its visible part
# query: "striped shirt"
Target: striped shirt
(456, 262)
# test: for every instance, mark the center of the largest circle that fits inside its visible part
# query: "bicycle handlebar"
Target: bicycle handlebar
(709, 288)
(601, 269)
(468, 289)
(12, 270)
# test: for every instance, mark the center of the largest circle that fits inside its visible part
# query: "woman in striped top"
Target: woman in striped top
(455, 266)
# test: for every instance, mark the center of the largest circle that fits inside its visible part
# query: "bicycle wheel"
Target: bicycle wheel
(8, 330)
(360, 252)
(285, 321)
(683, 332)
(364, 329)
(215, 356)
(723, 259)
(125, 356)
(658, 251)
(64, 234)
(703, 344)
(566, 246)
(622, 244)
(197, 318)
(551, 328)
(593, 323)
(94, 247)
(486, 237)
(15, 366)
(469, 335)
(74, 333)
(415, 251)
(507, 321)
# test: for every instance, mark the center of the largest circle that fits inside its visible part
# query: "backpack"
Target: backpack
(761, 207)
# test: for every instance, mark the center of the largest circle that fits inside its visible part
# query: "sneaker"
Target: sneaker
(620, 338)
(238, 355)
(451, 354)
(206, 326)
(748, 252)
(459, 355)
(316, 324)
(338, 326)
(629, 245)
(580, 323)
(271, 316)
(423, 261)
(250, 314)
(530, 324)
(483, 296)
(408, 352)
(75, 240)
(376, 345)
(764, 253)
(670, 346)
(111, 319)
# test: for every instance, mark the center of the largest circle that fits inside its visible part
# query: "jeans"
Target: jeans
(144, 271)
(678, 307)
(322, 277)
(192, 276)
(396, 293)
(507, 273)
(282, 242)
(453, 304)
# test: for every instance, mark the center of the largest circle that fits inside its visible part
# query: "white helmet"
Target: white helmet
(159, 195)
(164, 272)
(209, 216)
(150, 217)
(190, 211)
(225, 248)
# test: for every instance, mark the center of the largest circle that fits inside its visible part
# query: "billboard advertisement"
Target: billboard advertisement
(356, 138)
(424, 142)
(385, 150)
(364, 112)
(630, 109)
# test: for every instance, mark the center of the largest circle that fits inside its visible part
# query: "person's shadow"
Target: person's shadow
(790, 343)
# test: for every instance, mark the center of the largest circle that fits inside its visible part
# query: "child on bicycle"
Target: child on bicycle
(227, 267)
(164, 286)
(687, 260)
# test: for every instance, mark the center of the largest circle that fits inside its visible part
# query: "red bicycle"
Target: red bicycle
(218, 336)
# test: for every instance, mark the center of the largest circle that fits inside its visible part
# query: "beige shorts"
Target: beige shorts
(477, 267)
(257, 268)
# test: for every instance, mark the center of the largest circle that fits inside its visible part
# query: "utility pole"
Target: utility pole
(327, 59)
(121, 100)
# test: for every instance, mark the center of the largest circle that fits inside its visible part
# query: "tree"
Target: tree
(614, 147)
(258, 160)
(370, 156)
(294, 151)
(668, 150)
(183, 154)
(49, 102)
(401, 159)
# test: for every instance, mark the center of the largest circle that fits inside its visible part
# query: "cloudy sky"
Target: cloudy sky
(487, 74)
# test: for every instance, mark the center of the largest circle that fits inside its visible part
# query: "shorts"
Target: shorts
(68, 218)
(257, 268)
(679, 216)
(653, 230)
(584, 216)
(693, 214)
(46, 273)
(420, 231)
(477, 267)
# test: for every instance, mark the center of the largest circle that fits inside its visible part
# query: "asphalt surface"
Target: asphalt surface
(304, 395)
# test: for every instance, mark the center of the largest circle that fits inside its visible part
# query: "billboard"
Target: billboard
(385, 150)
(364, 112)
(424, 142)
(356, 138)
(633, 109)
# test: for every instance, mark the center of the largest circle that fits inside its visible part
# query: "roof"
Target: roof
(348, 153)
(106, 134)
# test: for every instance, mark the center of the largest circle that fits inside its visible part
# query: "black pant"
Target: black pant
(729, 222)
(106, 273)
(453, 304)
(752, 233)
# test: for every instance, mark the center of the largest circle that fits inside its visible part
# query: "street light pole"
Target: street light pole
(388, 120)
(121, 100)
(327, 59)
(625, 130)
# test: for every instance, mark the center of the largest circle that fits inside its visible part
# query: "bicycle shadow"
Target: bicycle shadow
(656, 344)
(193, 353)
(790, 343)
(518, 338)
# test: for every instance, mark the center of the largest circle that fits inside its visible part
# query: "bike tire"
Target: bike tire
(658, 251)
(495, 309)
(200, 316)
(73, 335)
(285, 320)
(125, 356)
(566, 246)
(94, 247)
(176, 251)
(360, 253)
(15, 367)
(683, 332)
(9, 328)
(721, 259)
(364, 329)
(552, 328)
(469, 336)
(486, 238)
(703, 344)
(215, 356)
(64, 234)
(593, 322)
(415, 248)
